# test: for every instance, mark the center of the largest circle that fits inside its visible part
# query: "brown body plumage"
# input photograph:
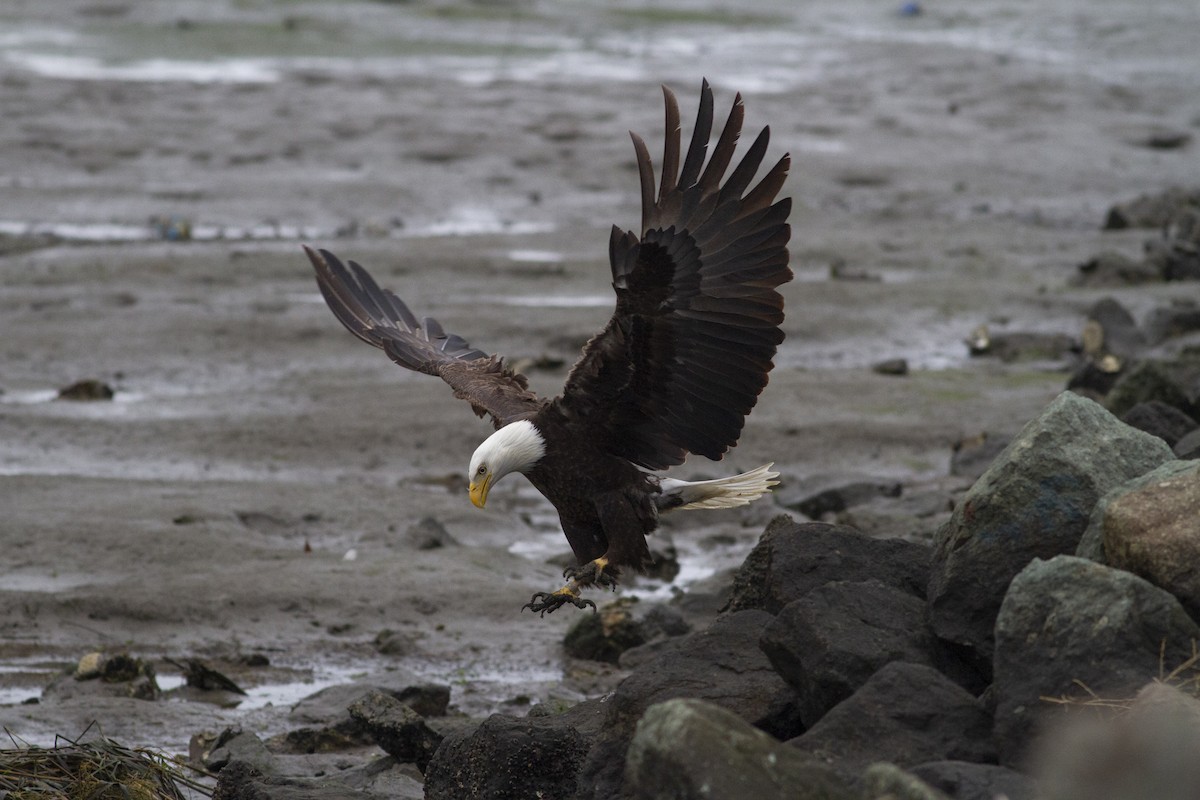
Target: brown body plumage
(675, 371)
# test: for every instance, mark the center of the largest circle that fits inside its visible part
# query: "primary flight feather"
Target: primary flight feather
(676, 370)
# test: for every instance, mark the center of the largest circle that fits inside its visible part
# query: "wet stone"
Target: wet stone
(605, 635)
(689, 749)
(791, 559)
(1115, 269)
(892, 366)
(87, 390)
(840, 498)
(400, 731)
(428, 533)
(1150, 210)
(1159, 419)
(906, 714)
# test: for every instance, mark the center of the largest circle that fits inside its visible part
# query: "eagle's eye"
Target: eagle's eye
(482, 469)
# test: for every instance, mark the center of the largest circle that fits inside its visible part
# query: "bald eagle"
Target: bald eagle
(676, 370)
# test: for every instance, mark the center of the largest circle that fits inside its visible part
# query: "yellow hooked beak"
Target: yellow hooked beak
(479, 490)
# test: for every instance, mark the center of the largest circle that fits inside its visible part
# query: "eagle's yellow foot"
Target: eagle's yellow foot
(591, 574)
(548, 602)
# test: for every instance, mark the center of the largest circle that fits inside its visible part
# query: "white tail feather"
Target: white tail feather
(736, 490)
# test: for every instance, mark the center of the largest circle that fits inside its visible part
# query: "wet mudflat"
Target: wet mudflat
(249, 487)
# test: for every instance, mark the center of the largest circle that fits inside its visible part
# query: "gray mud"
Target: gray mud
(248, 488)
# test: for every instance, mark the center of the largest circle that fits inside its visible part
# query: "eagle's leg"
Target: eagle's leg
(590, 574)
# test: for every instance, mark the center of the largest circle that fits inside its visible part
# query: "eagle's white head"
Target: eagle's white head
(516, 447)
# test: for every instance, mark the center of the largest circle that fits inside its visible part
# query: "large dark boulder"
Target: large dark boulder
(242, 781)
(322, 722)
(829, 642)
(605, 635)
(693, 750)
(396, 728)
(722, 665)
(791, 559)
(1069, 621)
(1174, 381)
(907, 714)
(329, 705)
(1033, 502)
(1156, 417)
(507, 758)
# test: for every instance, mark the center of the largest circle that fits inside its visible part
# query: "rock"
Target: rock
(106, 675)
(1069, 621)
(241, 781)
(913, 516)
(1159, 419)
(330, 704)
(1150, 211)
(685, 749)
(1189, 446)
(1174, 382)
(839, 498)
(1153, 530)
(830, 641)
(792, 559)
(884, 781)
(1177, 254)
(1147, 750)
(343, 735)
(1111, 268)
(661, 621)
(891, 366)
(236, 745)
(509, 759)
(428, 534)
(203, 678)
(393, 643)
(1158, 138)
(664, 557)
(963, 780)
(1021, 345)
(1118, 331)
(906, 714)
(1091, 544)
(1169, 322)
(396, 728)
(325, 721)
(973, 455)
(603, 636)
(1033, 502)
(87, 390)
(722, 665)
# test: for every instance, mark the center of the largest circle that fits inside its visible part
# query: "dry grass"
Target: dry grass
(98, 769)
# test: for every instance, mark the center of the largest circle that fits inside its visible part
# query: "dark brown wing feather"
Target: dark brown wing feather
(687, 351)
(380, 318)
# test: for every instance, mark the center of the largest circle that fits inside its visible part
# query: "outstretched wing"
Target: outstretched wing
(687, 351)
(380, 318)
